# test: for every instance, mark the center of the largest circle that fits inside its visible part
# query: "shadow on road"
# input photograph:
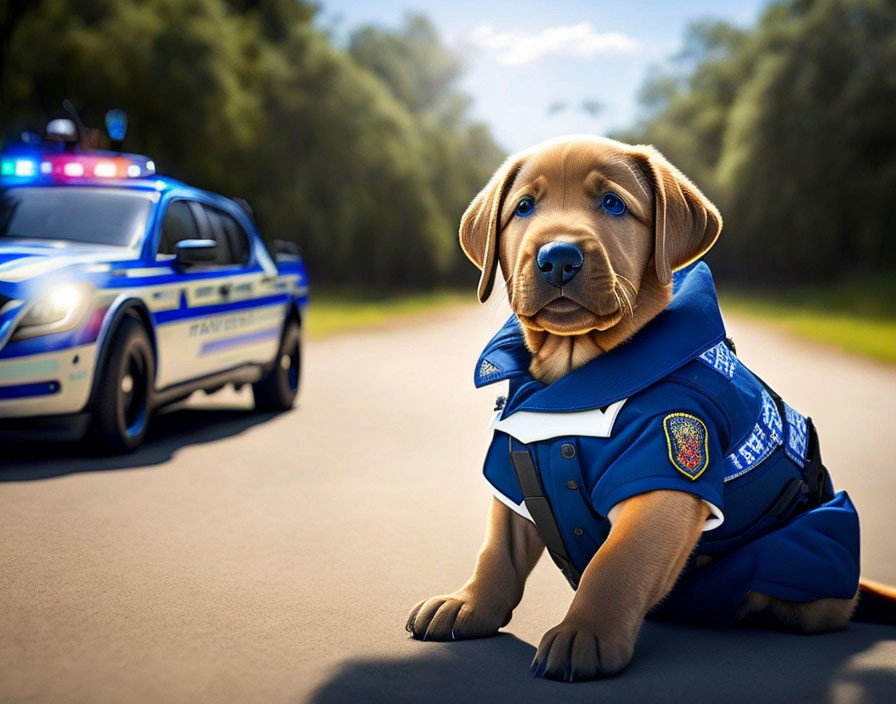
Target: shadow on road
(672, 664)
(168, 432)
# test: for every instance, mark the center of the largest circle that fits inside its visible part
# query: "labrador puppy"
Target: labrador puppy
(623, 280)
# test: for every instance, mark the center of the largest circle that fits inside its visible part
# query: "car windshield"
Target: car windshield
(111, 216)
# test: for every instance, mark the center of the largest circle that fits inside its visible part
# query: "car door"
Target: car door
(241, 323)
(216, 316)
(252, 289)
(175, 301)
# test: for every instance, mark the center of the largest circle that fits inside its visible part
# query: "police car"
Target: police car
(122, 291)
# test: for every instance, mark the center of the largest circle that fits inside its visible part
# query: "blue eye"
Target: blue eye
(525, 207)
(613, 204)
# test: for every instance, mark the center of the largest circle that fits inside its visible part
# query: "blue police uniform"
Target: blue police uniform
(674, 408)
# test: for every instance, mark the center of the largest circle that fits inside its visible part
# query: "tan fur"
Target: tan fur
(819, 616)
(554, 356)
(479, 608)
(626, 278)
(876, 603)
(624, 283)
(648, 545)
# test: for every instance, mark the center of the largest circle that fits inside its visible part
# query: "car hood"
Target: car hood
(28, 265)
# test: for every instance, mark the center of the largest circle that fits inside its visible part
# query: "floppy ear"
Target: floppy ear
(480, 223)
(686, 223)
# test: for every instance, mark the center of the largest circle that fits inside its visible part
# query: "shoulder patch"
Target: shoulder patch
(720, 358)
(686, 438)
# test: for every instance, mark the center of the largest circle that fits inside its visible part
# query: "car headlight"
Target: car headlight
(61, 308)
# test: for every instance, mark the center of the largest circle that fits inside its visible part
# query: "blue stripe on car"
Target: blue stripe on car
(46, 343)
(40, 388)
(237, 340)
(168, 316)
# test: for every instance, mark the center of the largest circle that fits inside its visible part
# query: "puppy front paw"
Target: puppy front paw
(454, 617)
(571, 652)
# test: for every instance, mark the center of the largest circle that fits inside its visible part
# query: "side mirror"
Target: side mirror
(191, 252)
(285, 251)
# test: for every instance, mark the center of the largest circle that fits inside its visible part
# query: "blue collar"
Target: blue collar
(690, 324)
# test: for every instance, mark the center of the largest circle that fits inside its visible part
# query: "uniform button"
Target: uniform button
(571, 484)
(578, 531)
(568, 450)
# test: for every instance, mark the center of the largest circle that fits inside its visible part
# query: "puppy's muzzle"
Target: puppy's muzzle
(559, 262)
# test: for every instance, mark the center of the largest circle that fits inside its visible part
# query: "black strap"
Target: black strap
(542, 513)
(815, 474)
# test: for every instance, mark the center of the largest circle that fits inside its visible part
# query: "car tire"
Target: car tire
(121, 404)
(278, 389)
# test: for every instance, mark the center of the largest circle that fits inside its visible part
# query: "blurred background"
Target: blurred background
(239, 556)
(362, 130)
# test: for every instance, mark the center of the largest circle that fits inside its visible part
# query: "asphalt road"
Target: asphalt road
(254, 558)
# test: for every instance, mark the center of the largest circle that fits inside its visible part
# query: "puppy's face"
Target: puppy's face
(576, 235)
(584, 229)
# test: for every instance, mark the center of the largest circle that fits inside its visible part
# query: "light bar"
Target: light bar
(62, 166)
(25, 167)
(107, 169)
(18, 167)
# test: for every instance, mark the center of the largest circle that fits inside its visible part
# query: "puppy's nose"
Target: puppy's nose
(559, 262)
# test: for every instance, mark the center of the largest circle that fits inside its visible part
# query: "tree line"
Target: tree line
(790, 127)
(364, 154)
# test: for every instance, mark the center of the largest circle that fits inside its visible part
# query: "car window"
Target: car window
(228, 255)
(179, 224)
(108, 216)
(239, 240)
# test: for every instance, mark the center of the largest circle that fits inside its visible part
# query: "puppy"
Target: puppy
(662, 475)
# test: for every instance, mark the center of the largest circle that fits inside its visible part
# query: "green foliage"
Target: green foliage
(412, 62)
(336, 312)
(459, 155)
(364, 157)
(791, 128)
(857, 314)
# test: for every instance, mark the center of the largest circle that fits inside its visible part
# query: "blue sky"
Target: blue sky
(524, 57)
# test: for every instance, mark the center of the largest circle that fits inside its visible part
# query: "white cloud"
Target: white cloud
(579, 40)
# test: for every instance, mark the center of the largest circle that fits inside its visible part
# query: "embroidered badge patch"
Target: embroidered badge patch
(687, 441)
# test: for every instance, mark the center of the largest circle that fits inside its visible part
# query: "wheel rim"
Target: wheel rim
(133, 391)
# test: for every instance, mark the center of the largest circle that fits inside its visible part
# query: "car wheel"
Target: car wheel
(278, 389)
(120, 413)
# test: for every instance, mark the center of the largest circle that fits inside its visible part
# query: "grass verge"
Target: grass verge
(856, 315)
(333, 312)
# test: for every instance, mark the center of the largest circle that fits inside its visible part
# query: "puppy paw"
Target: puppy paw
(571, 652)
(454, 617)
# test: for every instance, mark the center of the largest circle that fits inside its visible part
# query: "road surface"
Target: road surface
(254, 558)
